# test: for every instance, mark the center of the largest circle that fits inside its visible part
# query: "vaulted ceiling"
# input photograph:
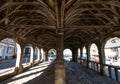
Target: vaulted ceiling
(80, 20)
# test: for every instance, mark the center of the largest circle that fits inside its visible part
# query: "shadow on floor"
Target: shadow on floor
(47, 77)
(41, 74)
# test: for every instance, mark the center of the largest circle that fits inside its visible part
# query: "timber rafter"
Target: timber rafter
(80, 20)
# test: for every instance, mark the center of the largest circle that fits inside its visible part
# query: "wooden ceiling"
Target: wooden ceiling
(81, 20)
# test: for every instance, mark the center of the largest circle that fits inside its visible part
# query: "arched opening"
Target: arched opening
(94, 56)
(78, 56)
(9, 51)
(36, 54)
(67, 54)
(52, 54)
(84, 55)
(112, 51)
(26, 54)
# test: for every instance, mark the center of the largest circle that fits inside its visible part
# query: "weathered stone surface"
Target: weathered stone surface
(78, 74)
(59, 74)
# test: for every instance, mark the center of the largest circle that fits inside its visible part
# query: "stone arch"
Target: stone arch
(103, 42)
(67, 53)
(78, 54)
(94, 55)
(84, 53)
(28, 54)
(13, 50)
(52, 54)
(36, 54)
(112, 51)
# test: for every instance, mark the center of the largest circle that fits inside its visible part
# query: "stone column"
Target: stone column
(81, 51)
(38, 55)
(43, 55)
(74, 54)
(19, 66)
(88, 56)
(101, 53)
(46, 54)
(59, 48)
(59, 67)
(31, 56)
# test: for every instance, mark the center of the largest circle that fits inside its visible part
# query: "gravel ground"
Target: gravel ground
(75, 74)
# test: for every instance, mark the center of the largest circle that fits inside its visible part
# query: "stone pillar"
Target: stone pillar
(31, 56)
(19, 66)
(59, 67)
(81, 51)
(46, 54)
(38, 55)
(101, 53)
(59, 48)
(74, 54)
(88, 56)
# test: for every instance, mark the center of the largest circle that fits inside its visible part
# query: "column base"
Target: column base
(59, 73)
(31, 64)
(101, 69)
(18, 70)
(38, 61)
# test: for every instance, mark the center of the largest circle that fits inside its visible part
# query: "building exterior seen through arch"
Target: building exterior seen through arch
(94, 55)
(67, 54)
(112, 51)
(7, 49)
(52, 53)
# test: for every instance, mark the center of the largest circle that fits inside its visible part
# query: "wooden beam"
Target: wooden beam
(79, 11)
(89, 27)
(98, 18)
(10, 13)
(47, 14)
(104, 15)
(45, 7)
(31, 26)
(60, 7)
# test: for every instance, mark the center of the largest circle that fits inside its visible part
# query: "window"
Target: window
(114, 41)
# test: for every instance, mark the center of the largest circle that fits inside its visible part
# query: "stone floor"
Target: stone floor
(44, 74)
(78, 74)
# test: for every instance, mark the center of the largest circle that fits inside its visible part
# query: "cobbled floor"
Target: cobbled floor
(75, 74)
(78, 74)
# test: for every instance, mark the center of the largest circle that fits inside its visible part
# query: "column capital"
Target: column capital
(60, 31)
